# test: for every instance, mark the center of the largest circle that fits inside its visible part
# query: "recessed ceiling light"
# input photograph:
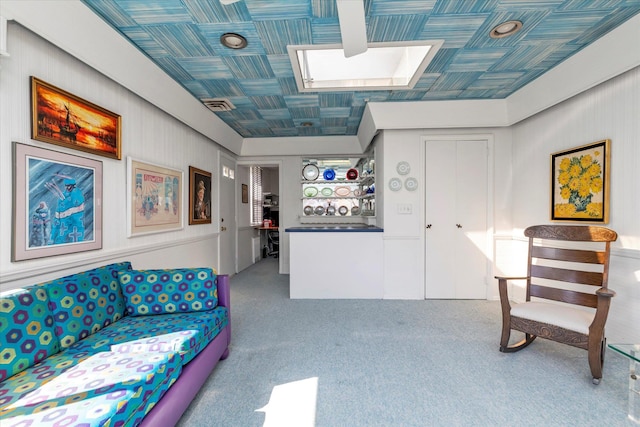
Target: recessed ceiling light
(307, 124)
(233, 41)
(505, 29)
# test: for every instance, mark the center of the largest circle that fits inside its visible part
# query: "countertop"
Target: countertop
(354, 228)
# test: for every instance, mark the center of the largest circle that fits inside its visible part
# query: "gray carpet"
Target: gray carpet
(393, 363)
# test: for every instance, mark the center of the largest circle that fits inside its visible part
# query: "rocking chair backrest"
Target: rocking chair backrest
(552, 257)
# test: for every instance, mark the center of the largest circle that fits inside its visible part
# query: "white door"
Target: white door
(456, 219)
(227, 218)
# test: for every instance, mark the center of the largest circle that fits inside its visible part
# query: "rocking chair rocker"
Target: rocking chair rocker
(561, 304)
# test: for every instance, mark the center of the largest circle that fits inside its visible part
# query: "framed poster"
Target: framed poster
(199, 196)
(580, 183)
(57, 201)
(154, 198)
(61, 118)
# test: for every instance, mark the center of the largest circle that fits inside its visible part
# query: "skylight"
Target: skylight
(383, 66)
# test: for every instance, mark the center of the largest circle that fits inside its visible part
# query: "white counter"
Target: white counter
(336, 262)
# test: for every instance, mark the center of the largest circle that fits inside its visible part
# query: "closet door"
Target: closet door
(456, 219)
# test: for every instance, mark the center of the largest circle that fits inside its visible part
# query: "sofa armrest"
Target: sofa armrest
(224, 297)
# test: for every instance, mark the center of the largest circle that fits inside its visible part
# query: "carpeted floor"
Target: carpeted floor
(392, 363)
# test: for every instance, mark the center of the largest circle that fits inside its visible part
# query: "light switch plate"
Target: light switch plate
(405, 208)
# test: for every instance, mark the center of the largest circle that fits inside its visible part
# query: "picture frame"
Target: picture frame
(57, 202)
(580, 183)
(199, 196)
(61, 118)
(245, 193)
(154, 198)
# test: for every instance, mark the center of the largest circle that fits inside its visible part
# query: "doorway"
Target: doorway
(228, 228)
(253, 243)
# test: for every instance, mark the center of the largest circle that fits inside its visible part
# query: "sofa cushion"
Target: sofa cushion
(169, 291)
(100, 389)
(185, 333)
(27, 334)
(83, 303)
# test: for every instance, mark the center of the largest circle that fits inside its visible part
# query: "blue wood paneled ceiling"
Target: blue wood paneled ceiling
(183, 38)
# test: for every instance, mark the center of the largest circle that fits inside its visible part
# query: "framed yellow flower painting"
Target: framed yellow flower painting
(580, 183)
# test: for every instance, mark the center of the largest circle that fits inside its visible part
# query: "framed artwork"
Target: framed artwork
(580, 183)
(154, 195)
(245, 193)
(61, 118)
(199, 196)
(57, 200)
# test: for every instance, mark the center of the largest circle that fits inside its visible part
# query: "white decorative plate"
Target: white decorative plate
(343, 210)
(310, 172)
(395, 184)
(403, 168)
(411, 184)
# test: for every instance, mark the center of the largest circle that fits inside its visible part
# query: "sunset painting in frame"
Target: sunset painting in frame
(61, 118)
(580, 183)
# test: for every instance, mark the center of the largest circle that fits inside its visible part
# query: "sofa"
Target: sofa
(111, 346)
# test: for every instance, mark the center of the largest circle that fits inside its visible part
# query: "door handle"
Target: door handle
(458, 225)
(428, 225)
(223, 228)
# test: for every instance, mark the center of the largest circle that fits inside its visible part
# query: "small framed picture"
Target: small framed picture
(245, 193)
(199, 196)
(580, 183)
(57, 203)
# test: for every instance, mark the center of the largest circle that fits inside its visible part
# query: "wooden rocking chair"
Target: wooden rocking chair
(561, 304)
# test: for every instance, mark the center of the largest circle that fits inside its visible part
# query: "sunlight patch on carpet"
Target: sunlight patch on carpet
(292, 404)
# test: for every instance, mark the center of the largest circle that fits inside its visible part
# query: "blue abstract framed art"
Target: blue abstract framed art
(57, 203)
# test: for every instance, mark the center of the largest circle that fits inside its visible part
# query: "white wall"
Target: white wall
(148, 134)
(608, 111)
(404, 234)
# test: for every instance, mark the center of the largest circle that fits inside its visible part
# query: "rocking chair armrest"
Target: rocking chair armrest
(607, 293)
(511, 277)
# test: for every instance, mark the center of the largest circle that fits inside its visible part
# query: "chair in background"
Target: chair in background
(561, 302)
(274, 243)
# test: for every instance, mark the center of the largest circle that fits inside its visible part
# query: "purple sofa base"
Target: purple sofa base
(176, 400)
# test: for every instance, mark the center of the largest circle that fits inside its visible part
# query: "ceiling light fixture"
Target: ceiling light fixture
(233, 41)
(306, 124)
(505, 29)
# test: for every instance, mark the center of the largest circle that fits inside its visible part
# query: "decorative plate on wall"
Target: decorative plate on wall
(308, 210)
(310, 172)
(329, 174)
(327, 192)
(310, 191)
(395, 184)
(403, 168)
(411, 184)
(352, 174)
(342, 191)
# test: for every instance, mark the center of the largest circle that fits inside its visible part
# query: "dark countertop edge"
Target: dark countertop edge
(334, 229)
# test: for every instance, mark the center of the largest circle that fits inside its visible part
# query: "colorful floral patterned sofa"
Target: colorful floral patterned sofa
(111, 346)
